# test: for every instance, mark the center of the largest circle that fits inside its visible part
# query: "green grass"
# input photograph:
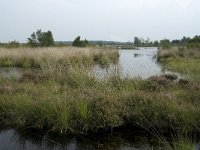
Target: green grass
(65, 98)
(183, 61)
(184, 144)
(186, 66)
(68, 100)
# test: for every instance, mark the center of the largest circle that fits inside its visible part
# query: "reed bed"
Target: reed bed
(36, 57)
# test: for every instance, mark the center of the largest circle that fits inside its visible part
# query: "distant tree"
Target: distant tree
(165, 44)
(156, 43)
(2, 44)
(140, 42)
(84, 43)
(150, 44)
(79, 43)
(13, 44)
(33, 40)
(49, 41)
(176, 42)
(100, 43)
(185, 40)
(194, 42)
(137, 42)
(147, 42)
(41, 39)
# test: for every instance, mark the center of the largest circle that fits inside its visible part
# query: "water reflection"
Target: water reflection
(140, 63)
(133, 63)
(32, 140)
(137, 55)
(9, 73)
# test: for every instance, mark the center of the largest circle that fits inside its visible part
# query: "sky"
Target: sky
(113, 20)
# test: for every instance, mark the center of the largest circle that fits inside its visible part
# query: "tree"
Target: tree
(185, 40)
(194, 42)
(156, 43)
(78, 43)
(176, 42)
(86, 42)
(41, 39)
(147, 42)
(137, 42)
(13, 44)
(165, 44)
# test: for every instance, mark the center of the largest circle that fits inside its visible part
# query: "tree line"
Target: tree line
(45, 39)
(166, 43)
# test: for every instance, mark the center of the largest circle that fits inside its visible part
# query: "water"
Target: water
(140, 63)
(9, 73)
(11, 139)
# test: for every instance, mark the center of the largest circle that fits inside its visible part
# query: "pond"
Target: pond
(141, 63)
(11, 139)
(11, 73)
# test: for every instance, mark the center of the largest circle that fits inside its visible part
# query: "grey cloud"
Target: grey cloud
(100, 19)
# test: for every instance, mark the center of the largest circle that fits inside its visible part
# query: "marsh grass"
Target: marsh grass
(178, 52)
(182, 60)
(70, 100)
(188, 67)
(176, 141)
(184, 144)
(66, 98)
(176, 138)
(36, 57)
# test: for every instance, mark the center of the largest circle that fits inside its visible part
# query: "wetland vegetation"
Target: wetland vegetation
(183, 60)
(57, 92)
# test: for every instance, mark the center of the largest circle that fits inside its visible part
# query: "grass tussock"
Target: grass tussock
(182, 60)
(37, 57)
(178, 52)
(183, 144)
(69, 100)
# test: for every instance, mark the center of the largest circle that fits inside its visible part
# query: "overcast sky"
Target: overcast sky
(118, 20)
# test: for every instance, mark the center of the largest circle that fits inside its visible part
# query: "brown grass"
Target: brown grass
(35, 57)
(53, 52)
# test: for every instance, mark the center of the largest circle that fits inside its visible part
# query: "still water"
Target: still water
(11, 139)
(140, 63)
(11, 73)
